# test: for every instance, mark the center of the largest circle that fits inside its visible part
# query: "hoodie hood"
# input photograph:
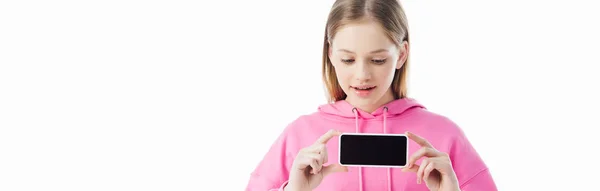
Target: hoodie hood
(344, 109)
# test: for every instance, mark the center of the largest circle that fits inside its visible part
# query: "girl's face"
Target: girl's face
(365, 60)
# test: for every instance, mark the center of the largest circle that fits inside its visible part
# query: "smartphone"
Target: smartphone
(373, 150)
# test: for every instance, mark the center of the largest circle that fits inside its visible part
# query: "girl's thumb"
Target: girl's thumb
(333, 168)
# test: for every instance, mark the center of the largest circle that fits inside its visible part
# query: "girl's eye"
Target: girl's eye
(347, 61)
(378, 61)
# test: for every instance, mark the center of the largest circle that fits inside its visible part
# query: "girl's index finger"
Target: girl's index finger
(330, 134)
(419, 140)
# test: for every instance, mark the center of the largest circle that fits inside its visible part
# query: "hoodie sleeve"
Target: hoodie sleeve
(272, 171)
(472, 172)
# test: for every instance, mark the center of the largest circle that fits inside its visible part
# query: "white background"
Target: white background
(189, 95)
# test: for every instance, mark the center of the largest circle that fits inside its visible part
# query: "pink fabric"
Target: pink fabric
(395, 117)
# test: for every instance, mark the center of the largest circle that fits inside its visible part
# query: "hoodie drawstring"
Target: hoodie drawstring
(360, 186)
(389, 170)
(389, 177)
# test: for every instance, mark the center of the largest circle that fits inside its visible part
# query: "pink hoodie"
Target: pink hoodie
(400, 116)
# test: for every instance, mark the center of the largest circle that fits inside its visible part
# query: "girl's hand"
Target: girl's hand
(308, 170)
(436, 170)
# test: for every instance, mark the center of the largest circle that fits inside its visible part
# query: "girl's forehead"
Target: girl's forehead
(361, 38)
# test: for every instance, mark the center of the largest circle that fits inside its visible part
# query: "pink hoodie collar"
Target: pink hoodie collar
(344, 109)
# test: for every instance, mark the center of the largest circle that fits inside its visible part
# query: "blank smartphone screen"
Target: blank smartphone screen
(374, 150)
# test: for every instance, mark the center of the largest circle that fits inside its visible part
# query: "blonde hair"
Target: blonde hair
(389, 14)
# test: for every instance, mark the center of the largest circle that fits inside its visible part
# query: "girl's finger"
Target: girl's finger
(419, 140)
(327, 136)
(333, 168)
(312, 160)
(325, 155)
(316, 148)
(414, 168)
(314, 165)
(421, 170)
(428, 169)
(320, 149)
(424, 151)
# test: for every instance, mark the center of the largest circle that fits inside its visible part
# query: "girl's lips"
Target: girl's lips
(362, 87)
(364, 91)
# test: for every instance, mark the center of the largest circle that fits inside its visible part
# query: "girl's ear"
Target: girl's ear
(404, 50)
